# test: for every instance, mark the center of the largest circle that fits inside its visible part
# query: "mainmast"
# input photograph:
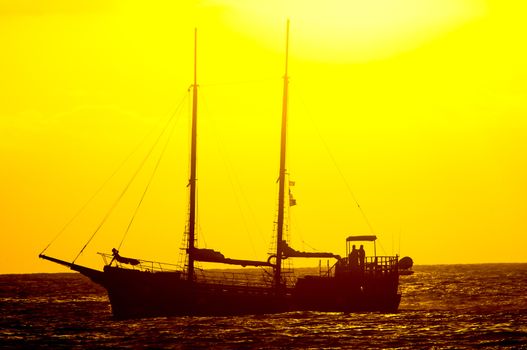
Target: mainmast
(282, 178)
(192, 181)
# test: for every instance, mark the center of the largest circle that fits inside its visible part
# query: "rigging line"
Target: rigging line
(299, 232)
(232, 179)
(81, 210)
(131, 181)
(338, 168)
(149, 182)
(200, 231)
(202, 235)
(382, 248)
(314, 249)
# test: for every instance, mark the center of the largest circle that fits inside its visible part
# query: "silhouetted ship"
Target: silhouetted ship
(139, 288)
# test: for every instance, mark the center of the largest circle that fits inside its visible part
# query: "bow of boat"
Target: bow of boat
(95, 275)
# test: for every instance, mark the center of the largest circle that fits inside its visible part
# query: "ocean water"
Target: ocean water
(443, 307)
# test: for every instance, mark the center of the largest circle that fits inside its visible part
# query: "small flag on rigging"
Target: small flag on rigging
(292, 201)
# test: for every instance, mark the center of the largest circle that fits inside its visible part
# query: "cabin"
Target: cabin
(355, 282)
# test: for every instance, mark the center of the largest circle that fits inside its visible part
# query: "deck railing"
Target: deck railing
(379, 264)
(253, 278)
(143, 265)
(371, 265)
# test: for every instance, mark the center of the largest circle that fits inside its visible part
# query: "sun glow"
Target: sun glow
(353, 30)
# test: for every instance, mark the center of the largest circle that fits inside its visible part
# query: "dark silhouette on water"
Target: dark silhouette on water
(139, 288)
(405, 266)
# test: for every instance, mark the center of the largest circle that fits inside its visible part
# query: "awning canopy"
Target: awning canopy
(209, 255)
(369, 238)
(289, 252)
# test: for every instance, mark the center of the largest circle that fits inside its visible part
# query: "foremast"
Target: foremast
(282, 178)
(193, 158)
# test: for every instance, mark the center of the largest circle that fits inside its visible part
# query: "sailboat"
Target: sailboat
(140, 288)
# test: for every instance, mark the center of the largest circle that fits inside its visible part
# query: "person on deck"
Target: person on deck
(354, 257)
(362, 257)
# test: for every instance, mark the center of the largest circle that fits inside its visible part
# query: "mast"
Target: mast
(192, 180)
(282, 177)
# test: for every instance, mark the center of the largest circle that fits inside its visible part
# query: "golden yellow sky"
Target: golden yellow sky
(418, 106)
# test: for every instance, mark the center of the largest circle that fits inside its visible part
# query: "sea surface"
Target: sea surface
(443, 307)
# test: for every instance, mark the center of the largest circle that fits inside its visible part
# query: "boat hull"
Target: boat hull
(135, 294)
(140, 293)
